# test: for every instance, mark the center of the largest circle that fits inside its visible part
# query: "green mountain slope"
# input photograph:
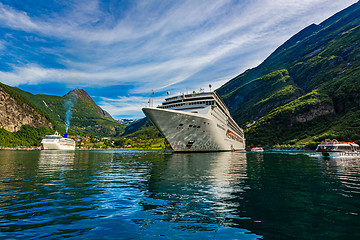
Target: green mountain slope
(87, 118)
(307, 90)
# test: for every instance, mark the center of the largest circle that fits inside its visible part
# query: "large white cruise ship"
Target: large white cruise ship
(198, 122)
(57, 142)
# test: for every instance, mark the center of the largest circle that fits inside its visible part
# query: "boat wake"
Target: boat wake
(335, 157)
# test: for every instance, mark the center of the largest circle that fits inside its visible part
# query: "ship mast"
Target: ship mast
(151, 100)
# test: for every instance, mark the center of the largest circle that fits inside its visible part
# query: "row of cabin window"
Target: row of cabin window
(190, 103)
(193, 126)
(347, 147)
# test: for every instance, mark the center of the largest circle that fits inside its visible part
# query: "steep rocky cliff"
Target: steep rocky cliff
(16, 112)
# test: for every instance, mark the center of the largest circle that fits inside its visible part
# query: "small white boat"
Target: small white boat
(336, 148)
(57, 142)
(257, 149)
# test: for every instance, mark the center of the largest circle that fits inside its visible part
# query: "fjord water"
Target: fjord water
(162, 195)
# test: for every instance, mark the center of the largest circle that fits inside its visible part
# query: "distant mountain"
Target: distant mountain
(80, 96)
(85, 117)
(127, 122)
(143, 129)
(306, 91)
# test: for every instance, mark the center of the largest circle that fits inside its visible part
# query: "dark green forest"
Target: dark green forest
(26, 136)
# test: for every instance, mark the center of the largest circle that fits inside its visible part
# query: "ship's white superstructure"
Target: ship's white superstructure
(57, 142)
(197, 122)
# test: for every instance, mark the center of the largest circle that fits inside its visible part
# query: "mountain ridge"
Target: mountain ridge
(298, 38)
(309, 80)
(84, 96)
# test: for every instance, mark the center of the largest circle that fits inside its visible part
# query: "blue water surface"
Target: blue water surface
(163, 195)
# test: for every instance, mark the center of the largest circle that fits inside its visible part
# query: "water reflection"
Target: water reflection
(198, 192)
(345, 171)
(55, 162)
(55, 158)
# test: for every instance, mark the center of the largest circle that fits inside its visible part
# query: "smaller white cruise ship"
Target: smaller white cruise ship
(197, 122)
(57, 142)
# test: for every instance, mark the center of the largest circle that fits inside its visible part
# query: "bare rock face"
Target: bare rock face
(314, 113)
(14, 114)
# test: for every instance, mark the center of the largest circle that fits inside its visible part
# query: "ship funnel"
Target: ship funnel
(65, 135)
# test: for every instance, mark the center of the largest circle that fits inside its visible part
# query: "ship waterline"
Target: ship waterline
(197, 123)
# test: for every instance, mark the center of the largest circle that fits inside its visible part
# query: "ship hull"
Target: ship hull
(192, 132)
(57, 146)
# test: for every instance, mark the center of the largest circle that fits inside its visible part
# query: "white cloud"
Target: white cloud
(31, 74)
(16, 19)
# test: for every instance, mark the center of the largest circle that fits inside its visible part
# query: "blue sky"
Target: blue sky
(119, 51)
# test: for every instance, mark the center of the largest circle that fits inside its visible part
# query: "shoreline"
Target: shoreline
(78, 149)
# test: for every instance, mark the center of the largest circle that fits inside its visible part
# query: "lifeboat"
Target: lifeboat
(257, 149)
